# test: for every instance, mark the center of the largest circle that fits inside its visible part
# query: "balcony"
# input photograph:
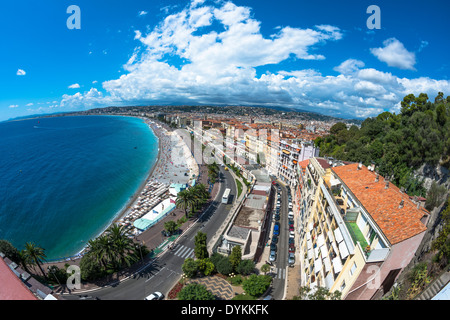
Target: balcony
(356, 233)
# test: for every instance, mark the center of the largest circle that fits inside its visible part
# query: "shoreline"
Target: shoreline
(159, 167)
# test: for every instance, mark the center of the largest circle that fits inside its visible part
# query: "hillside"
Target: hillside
(405, 147)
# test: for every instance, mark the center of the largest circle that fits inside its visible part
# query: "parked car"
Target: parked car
(291, 222)
(291, 240)
(291, 215)
(275, 239)
(273, 247)
(291, 259)
(291, 234)
(276, 229)
(273, 256)
(155, 296)
(277, 217)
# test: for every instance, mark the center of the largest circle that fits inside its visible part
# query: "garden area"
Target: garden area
(219, 277)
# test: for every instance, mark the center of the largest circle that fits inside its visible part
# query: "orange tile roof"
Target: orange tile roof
(12, 288)
(383, 204)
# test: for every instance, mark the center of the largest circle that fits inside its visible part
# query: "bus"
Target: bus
(225, 196)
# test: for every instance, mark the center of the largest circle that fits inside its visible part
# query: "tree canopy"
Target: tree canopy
(396, 143)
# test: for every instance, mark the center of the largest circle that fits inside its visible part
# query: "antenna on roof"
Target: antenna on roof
(401, 204)
(359, 165)
(377, 177)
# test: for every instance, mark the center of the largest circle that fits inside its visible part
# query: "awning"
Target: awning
(327, 263)
(330, 235)
(309, 244)
(324, 251)
(337, 264)
(316, 252)
(310, 254)
(317, 265)
(310, 226)
(338, 235)
(329, 281)
(320, 240)
(343, 250)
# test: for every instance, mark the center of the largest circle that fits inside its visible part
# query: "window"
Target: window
(343, 286)
(353, 269)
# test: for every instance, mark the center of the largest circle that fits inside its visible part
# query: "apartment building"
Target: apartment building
(358, 231)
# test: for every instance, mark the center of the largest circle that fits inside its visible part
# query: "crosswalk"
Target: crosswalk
(183, 251)
(279, 273)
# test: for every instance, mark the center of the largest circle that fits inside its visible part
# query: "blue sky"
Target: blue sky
(313, 55)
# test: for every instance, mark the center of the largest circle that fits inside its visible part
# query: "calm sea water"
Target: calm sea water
(63, 180)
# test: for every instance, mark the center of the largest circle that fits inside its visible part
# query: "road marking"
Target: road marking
(155, 274)
(187, 253)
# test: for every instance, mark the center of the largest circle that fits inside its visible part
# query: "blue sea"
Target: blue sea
(65, 179)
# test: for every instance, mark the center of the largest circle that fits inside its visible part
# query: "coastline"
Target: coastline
(159, 167)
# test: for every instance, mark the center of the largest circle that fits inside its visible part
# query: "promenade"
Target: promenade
(153, 238)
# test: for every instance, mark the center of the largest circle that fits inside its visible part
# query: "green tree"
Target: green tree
(34, 255)
(265, 268)
(246, 267)
(337, 127)
(90, 269)
(185, 200)
(200, 249)
(235, 256)
(10, 251)
(195, 291)
(256, 285)
(224, 266)
(189, 267)
(205, 266)
(170, 226)
(123, 249)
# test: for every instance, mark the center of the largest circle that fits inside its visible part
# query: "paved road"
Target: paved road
(162, 274)
(280, 265)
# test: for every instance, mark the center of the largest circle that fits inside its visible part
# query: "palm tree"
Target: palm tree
(34, 255)
(185, 200)
(213, 172)
(122, 246)
(200, 193)
(100, 250)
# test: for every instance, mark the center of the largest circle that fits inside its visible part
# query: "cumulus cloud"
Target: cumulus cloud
(395, 54)
(13, 106)
(74, 86)
(218, 66)
(349, 66)
(21, 72)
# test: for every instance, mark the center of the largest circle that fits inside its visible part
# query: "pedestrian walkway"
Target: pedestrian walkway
(219, 287)
(183, 251)
(279, 273)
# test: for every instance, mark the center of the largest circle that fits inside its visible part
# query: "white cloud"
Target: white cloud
(74, 86)
(21, 72)
(349, 66)
(142, 13)
(218, 66)
(14, 106)
(29, 104)
(395, 54)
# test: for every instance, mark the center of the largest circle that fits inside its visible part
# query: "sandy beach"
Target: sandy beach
(175, 164)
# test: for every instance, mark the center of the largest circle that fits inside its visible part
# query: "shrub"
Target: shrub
(195, 291)
(189, 267)
(224, 266)
(246, 267)
(175, 290)
(256, 285)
